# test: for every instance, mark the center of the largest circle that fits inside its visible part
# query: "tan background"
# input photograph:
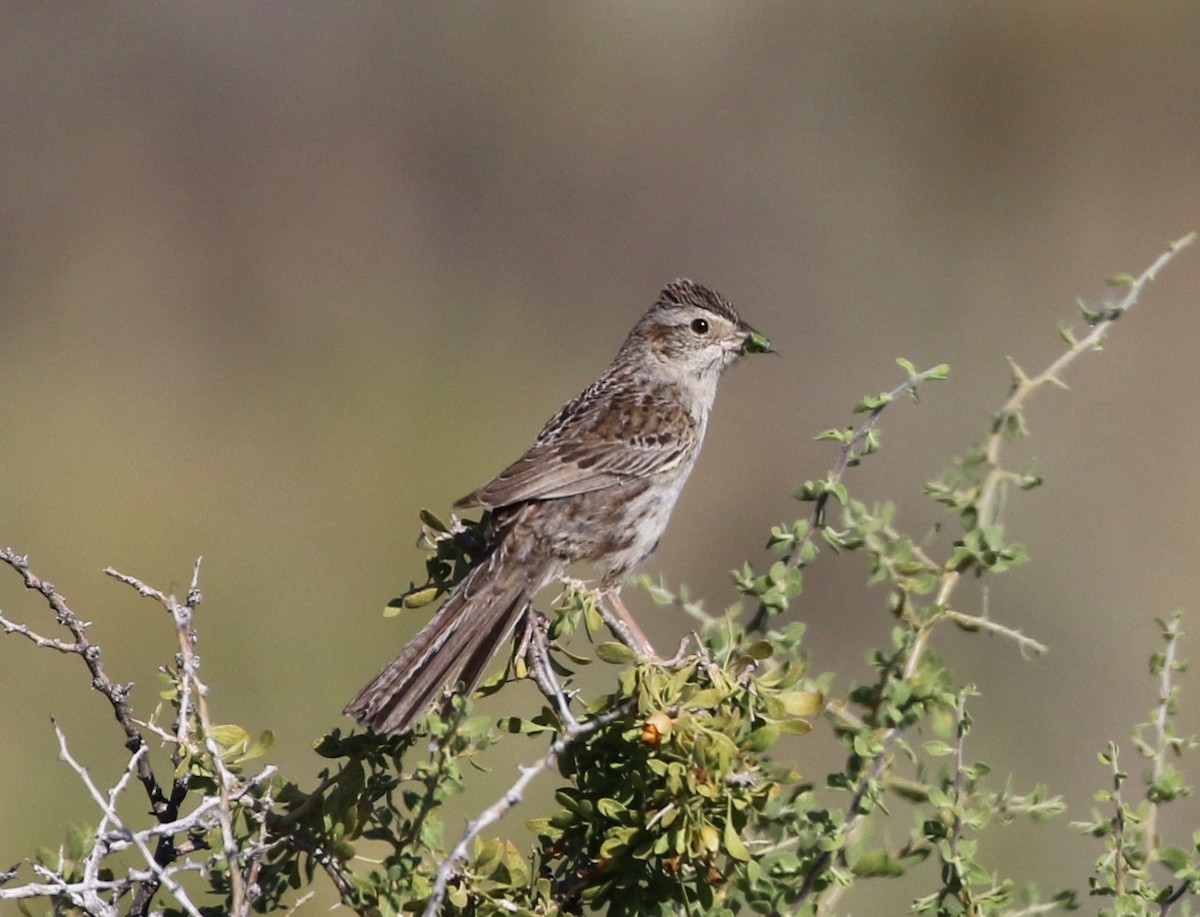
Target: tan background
(274, 276)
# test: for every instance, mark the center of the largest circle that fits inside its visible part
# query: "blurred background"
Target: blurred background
(275, 276)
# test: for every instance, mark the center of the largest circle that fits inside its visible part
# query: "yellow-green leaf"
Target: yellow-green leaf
(762, 738)
(802, 703)
(733, 844)
(615, 653)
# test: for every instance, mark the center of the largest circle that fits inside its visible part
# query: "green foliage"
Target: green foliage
(1126, 874)
(658, 801)
(452, 550)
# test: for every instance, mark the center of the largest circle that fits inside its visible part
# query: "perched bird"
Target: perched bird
(598, 484)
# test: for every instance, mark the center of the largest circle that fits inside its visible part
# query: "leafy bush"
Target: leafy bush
(678, 792)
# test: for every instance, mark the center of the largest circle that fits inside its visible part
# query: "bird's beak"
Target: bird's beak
(752, 341)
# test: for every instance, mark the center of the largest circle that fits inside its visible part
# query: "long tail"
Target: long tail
(455, 646)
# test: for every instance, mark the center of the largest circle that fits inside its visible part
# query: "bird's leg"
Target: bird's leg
(623, 625)
(533, 620)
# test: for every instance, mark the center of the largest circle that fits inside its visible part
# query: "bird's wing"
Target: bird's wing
(602, 438)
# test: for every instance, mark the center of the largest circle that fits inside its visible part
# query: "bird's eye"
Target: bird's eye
(700, 326)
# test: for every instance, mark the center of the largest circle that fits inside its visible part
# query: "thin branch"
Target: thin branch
(300, 902)
(1046, 907)
(102, 845)
(511, 798)
(213, 812)
(200, 819)
(110, 815)
(1118, 823)
(72, 890)
(854, 812)
(982, 622)
(183, 616)
(1185, 888)
(115, 694)
(166, 852)
(329, 863)
(1172, 631)
(956, 829)
(52, 643)
(1024, 386)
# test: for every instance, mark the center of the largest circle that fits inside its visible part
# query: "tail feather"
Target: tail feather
(459, 640)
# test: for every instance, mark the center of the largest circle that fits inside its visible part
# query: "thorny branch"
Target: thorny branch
(994, 481)
(1023, 388)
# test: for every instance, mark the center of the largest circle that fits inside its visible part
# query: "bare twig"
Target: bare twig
(181, 616)
(227, 783)
(55, 887)
(164, 809)
(956, 829)
(300, 902)
(114, 693)
(52, 643)
(102, 845)
(111, 816)
(215, 812)
(120, 836)
(982, 622)
(1046, 907)
(193, 689)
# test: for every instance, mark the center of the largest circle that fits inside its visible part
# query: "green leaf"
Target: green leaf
(78, 842)
(762, 738)
(760, 649)
(418, 599)
(756, 343)
(616, 653)
(796, 727)
(802, 703)
(1174, 858)
(733, 843)
(611, 809)
(837, 436)
(434, 522)
(938, 749)
(873, 403)
(230, 739)
(877, 863)
(515, 724)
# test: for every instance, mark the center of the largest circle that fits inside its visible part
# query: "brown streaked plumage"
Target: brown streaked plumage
(598, 484)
